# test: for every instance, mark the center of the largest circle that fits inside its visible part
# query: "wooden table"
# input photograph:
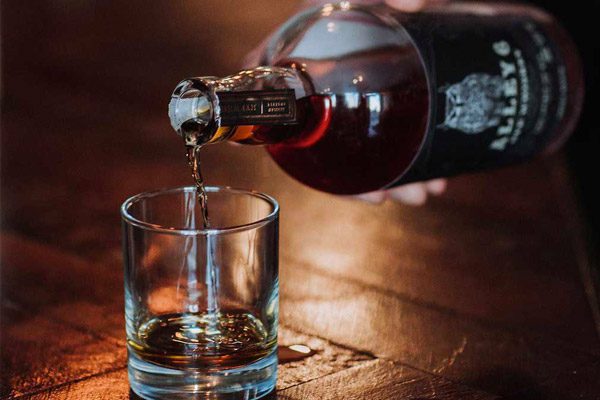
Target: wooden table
(479, 294)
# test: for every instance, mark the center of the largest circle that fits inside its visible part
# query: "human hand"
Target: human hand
(412, 5)
(412, 194)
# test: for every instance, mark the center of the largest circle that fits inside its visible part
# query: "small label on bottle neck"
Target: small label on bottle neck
(273, 107)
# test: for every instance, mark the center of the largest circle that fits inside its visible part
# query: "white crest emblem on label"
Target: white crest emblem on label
(475, 104)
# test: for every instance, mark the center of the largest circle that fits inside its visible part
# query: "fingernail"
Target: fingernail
(437, 186)
(414, 194)
(407, 5)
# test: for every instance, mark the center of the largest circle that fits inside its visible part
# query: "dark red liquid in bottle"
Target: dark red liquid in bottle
(348, 143)
(354, 143)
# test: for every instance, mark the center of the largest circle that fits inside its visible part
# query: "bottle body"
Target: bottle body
(382, 98)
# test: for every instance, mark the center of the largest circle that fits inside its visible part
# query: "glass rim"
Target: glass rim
(127, 217)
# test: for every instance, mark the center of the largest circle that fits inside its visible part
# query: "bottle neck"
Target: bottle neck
(202, 108)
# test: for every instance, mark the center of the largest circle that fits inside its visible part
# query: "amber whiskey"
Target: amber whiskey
(230, 339)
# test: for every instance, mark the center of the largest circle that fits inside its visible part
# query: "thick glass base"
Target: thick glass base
(154, 382)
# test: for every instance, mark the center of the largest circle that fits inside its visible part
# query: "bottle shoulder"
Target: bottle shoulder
(345, 48)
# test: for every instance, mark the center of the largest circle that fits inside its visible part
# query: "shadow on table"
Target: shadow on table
(528, 387)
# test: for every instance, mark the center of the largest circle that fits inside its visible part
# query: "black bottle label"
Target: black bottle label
(257, 107)
(499, 91)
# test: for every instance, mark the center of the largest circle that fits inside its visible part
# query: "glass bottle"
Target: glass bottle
(354, 98)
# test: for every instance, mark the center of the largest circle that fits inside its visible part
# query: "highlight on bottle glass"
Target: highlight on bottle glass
(201, 303)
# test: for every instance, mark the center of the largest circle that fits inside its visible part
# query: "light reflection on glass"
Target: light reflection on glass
(374, 104)
(352, 100)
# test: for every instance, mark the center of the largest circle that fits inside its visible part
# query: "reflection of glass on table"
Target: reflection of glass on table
(201, 305)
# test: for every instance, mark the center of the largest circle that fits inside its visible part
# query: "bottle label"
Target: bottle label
(257, 107)
(500, 92)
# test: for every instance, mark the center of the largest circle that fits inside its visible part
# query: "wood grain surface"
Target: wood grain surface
(476, 295)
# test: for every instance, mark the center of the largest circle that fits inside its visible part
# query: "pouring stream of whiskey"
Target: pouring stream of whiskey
(193, 157)
(212, 270)
(286, 353)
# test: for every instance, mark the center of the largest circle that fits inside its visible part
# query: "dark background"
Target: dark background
(485, 286)
(582, 149)
(85, 88)
(579, 19)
